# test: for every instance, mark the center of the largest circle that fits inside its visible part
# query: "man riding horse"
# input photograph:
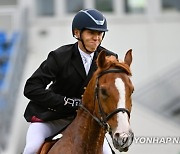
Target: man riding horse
(68, 70)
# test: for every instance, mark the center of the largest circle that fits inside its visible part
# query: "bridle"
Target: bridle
(102, 121)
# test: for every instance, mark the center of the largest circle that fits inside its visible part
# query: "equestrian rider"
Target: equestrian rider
(68, 70)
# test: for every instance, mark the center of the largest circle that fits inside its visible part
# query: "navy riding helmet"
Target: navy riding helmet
(90, 19)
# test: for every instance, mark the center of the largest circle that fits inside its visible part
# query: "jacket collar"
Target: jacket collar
(78, 63)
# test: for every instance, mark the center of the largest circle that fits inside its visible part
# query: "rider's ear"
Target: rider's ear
(128, 57)
(76, 33)
(101, 59)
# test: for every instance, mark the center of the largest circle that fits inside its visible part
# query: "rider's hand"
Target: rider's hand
(72, 102)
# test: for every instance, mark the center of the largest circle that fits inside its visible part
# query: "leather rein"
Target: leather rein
(103, 116)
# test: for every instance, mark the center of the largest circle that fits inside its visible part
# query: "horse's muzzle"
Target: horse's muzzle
(122, 141)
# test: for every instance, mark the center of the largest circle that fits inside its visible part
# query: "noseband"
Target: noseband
(103, 116)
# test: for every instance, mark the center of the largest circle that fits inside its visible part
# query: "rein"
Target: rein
(103, 117)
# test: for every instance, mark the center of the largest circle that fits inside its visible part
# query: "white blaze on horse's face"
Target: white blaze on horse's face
(122, 118)
(122, 135)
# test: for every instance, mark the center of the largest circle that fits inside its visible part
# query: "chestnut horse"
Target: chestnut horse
(106, 107)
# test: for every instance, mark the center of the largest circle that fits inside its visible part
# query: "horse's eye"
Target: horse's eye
(104, 92)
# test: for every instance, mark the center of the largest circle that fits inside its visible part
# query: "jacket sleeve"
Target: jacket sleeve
(36, 86)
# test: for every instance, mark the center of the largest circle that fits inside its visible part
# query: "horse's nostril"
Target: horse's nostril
(117, 135)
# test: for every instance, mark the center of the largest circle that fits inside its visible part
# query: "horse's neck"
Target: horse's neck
(88, 131)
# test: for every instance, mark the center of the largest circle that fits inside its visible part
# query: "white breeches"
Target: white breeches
(37, 132)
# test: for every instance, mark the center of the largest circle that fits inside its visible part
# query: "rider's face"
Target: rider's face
(91, 39)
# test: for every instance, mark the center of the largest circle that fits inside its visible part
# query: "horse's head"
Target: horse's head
(112, 90)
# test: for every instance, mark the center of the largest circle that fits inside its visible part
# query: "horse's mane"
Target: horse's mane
(113, 62)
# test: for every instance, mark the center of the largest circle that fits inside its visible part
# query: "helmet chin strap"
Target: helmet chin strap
(83, 42)
(80, 39)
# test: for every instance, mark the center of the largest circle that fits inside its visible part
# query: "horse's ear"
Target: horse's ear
(101, 59)
(128, 57)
